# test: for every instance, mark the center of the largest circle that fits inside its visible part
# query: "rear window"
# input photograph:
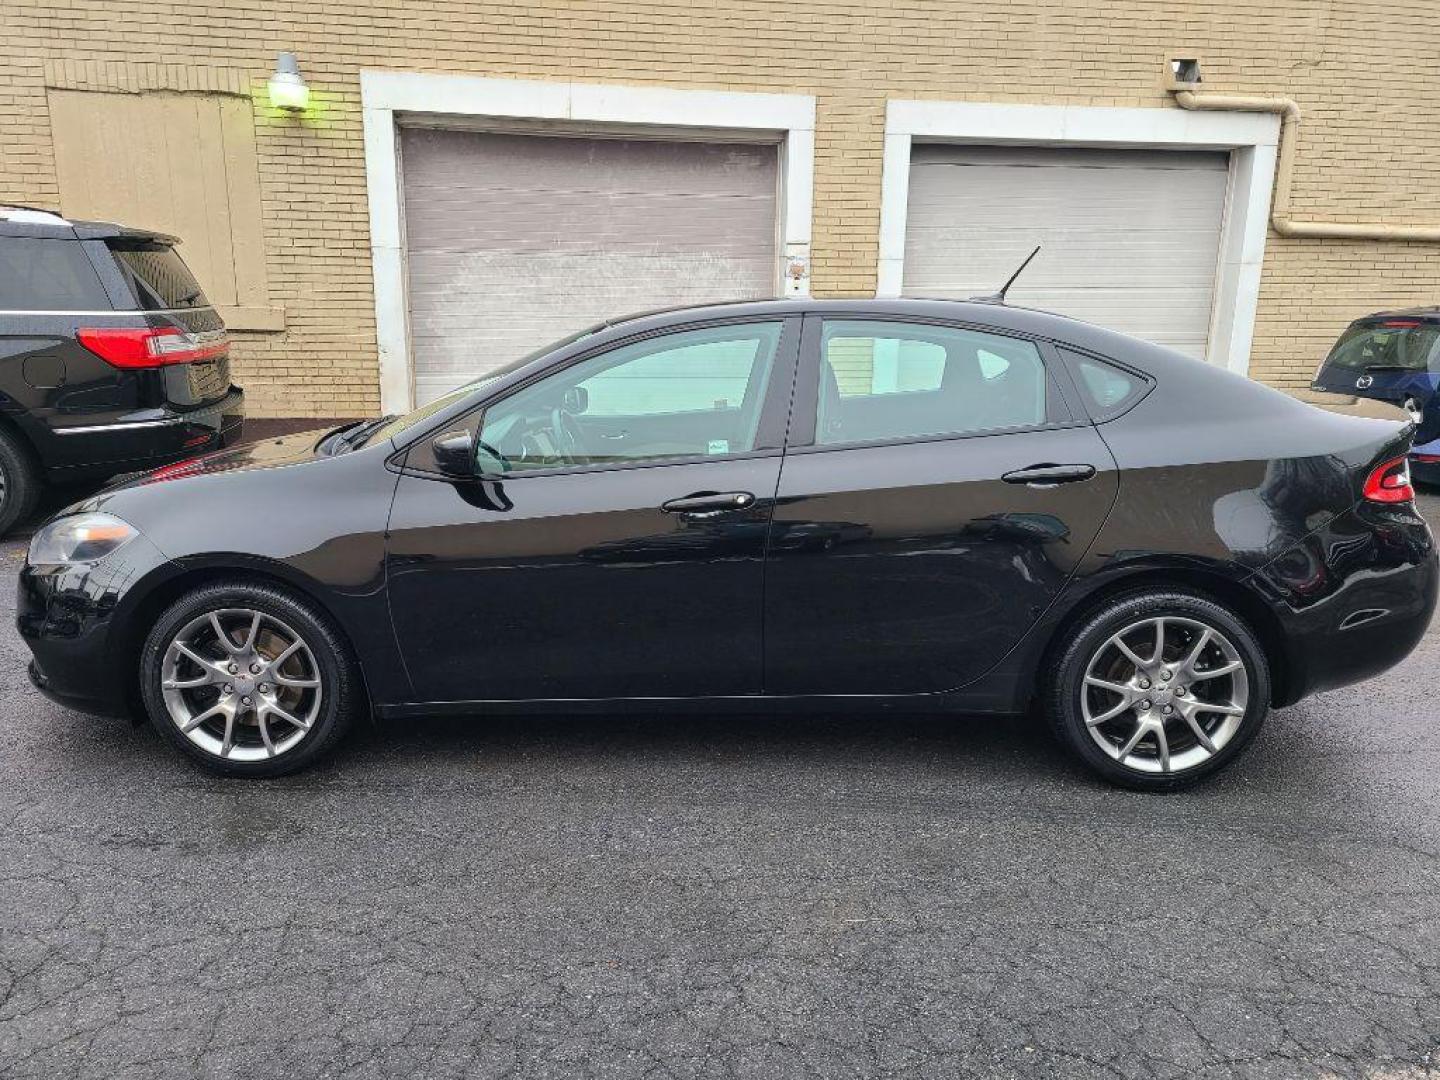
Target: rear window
(158, 278)
(1402, 345)
(48, 275)
(1107, 389)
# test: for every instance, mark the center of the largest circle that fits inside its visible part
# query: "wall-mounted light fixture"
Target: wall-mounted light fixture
(287, 89)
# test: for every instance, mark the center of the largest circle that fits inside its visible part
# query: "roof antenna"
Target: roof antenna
(999, 297)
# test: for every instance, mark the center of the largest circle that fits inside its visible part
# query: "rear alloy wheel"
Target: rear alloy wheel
(247, 680)
(19, 482)
(1158, 690)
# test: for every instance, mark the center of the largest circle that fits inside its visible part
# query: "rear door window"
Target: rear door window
(157, 277)
(882, 380)
(48, 275)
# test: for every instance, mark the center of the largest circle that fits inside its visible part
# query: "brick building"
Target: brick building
(470, 179)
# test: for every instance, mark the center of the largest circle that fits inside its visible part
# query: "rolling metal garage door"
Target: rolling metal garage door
(515, 240)
(1131, 237)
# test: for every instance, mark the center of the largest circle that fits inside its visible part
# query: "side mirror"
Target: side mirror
(577, 400)
(454, 453)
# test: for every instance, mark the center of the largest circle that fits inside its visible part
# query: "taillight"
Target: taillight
(153, 346)
(1401, 324)
(1390, 482)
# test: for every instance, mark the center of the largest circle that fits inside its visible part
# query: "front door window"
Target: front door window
(694, 394)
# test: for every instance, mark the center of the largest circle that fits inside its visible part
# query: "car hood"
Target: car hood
(129, 494)
(278, 500)
(265, 454)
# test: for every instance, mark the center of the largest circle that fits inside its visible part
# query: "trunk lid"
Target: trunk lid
(1337, 455)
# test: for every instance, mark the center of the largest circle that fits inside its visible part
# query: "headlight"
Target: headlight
(80, 538)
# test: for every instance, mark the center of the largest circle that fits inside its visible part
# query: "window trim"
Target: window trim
(1083, 405)
(775, 407)
(1060, 412)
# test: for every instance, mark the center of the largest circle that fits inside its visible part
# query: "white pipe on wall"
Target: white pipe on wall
(1290, 135)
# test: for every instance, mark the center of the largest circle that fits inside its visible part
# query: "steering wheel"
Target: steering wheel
(567, 434)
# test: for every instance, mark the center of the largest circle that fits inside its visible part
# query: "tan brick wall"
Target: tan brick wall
(1363, 72)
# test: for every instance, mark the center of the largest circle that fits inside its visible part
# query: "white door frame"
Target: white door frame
(617, 109)
(1251, 139)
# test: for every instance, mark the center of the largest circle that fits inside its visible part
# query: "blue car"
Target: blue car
(1394, 356)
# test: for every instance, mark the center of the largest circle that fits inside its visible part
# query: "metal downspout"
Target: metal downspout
(1280, 218)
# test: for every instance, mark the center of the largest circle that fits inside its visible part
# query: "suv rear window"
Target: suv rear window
(39, 274)
(1399, 345)
(158, 277)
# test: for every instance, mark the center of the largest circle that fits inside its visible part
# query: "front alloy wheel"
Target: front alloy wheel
(241, 685)
(249, 679)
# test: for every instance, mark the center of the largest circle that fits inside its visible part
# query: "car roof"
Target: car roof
(1185, 375)
(983, 313)
(47, 224)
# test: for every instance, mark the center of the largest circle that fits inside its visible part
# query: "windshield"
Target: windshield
(1402, 345)
(396, 425)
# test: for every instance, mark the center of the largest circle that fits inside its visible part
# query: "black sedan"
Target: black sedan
(824, 504)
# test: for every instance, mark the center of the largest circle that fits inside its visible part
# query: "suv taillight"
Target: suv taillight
(1390, 482)
(152, 347)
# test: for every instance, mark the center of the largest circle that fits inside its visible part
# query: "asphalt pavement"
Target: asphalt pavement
(721, 897)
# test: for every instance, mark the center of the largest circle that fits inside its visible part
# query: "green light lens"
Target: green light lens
(289, 92)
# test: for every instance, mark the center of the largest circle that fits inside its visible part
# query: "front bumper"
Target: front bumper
(1353, 598)
(79, 623)
(147, 441)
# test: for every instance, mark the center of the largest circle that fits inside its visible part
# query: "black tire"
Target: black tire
(341, 691)
(21, 481)
(1088, 640)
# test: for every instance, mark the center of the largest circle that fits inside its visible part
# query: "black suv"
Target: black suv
(111, 358)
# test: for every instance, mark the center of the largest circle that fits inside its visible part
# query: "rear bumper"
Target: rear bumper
(1353, 599)
(157, 437)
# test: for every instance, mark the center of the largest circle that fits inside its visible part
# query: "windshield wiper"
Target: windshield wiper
(355, 437)
(326, 439)
(1390, 367)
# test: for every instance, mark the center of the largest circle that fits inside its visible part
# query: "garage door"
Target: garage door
(515, 240)
(1131, 238)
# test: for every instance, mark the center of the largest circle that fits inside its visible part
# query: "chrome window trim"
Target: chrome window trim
(91, 429)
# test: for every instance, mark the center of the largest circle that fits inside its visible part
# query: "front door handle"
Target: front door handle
(709, 503)
(1047, 476)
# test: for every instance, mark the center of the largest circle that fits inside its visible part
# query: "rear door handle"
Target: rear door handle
(1046, 476)
(709, 503)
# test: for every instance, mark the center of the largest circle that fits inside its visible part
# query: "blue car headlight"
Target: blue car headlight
(79, 539)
